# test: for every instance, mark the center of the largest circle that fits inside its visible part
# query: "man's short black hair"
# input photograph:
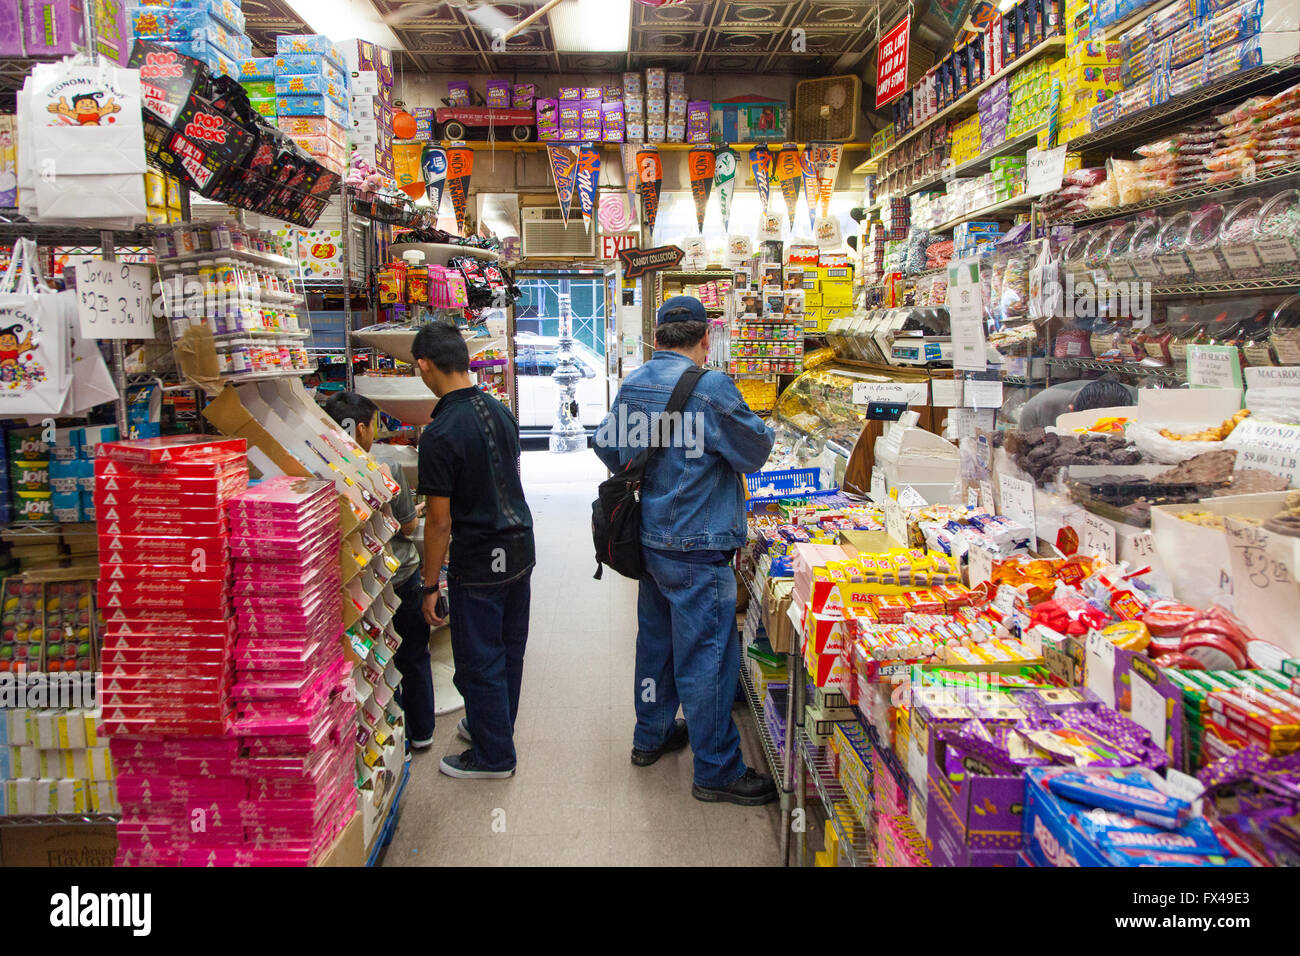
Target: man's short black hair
(680, 335)
(350, 407)
(1103, 393)
(443, 345)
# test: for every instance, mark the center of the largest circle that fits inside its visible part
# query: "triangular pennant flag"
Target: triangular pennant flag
(650, 173)
(564, 169)
(826, 160)
(588, 181)
(433, 166)
(811, 187)
(760, 165)
(631, 180)
(703, 167)
(724, 181)
(788, 175)
(460, 166)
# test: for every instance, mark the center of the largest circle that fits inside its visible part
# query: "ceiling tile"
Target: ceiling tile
(455, 62)
(665, 40)
(813, 42)
(729, 63)
(755, 14)
(592, 62)
(838, 14)
(737, 41)
(442, 39)
(800, 64)
(677, 15)
(522, 62)
(429, 14)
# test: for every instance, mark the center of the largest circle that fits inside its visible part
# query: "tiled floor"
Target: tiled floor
(576, 798)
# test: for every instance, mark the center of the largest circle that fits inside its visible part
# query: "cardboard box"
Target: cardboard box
(349, 849)
(986, 811)
(58, 845)
(776, 617)
(946, 846)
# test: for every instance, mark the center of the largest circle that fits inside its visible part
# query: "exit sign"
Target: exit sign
(611, 246)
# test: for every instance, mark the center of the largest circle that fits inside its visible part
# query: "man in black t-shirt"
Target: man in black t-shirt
(469, 469)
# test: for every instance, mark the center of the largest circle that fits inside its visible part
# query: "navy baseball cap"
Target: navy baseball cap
(682, 308)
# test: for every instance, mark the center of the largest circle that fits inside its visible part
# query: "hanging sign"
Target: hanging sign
(789, 173)
(826, 161)
(588, 181)
(113, 300)
(811, 185)
(460, 167)
(724, 181)
(703, 166)
(612, 245)
(564, 169)
(615, 213)
(760, 165)
(1044, 171)
(638, 262)
(966, 308)
(631, 181)
(433, 166)
(650, 172)
(891, 63)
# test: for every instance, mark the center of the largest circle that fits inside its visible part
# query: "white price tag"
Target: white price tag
(986, 496)
(1140, 549)
(1005, 599)
(1018, 502)
(114, 300)
(1264, 591)
(980, 565)
(981, 393)
(1214, 366)
(912, 393)
(896, 522)
(966, 311)
(1272, 376)
(1173, 265)
(1146, 268)
(1275, 250)
(1148, 708)
(1099, 676)
(972, 496)
(878, 493)
(1241, 257)
(1098, 536)
(1044, 171)
(1203, 262)
(945, 392)
(909, 497)
(1269, 446)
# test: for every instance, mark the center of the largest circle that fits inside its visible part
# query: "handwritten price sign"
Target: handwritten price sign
(113, 300)
(1264, 592)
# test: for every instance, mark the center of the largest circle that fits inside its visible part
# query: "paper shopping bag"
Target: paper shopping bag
(33, 355)
(92, 381)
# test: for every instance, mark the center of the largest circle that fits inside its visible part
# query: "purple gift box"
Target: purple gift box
(570, 114)
(11, 29)
(548, 118)
(53, 27)
(946, 845)
(986, 810)
(498, 94)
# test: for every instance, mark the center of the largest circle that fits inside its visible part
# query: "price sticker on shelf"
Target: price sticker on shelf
(896, 522)
(1264, 589)
(1098, 536)
(1099, 667)
(114, 301)
(909, 497)
(1018, 502)
(966, 312)
(980, 565)
(1044, 171)
(986, 496)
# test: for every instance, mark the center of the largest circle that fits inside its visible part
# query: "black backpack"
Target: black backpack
(616, 512)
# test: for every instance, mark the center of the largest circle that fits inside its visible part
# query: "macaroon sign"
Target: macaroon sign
(891, 63)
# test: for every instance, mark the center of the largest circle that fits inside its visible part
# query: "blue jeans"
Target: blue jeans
(489, 628)
(415, 693)
(686, 645)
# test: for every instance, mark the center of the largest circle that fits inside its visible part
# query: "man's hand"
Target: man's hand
(430, 607)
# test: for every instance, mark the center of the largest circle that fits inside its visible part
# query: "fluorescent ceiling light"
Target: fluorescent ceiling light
(346, 20)
(591, 26)
(1006, 5)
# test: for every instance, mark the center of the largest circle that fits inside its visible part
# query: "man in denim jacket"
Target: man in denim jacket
(692, 522)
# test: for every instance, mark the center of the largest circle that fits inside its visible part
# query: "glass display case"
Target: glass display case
(817, 411)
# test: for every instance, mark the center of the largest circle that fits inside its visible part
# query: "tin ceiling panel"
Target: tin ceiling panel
(693, 14)
(755, 14)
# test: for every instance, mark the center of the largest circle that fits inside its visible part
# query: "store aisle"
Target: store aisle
(576, 798)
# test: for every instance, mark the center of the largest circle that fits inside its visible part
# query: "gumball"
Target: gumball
(10, 634)
(52, 604)
(31, 589)
(11, 604)
(83, 602)
(6, 652)
(36, 634)
(83, 649)
(20, 652)
(83, 663)
(20, 633)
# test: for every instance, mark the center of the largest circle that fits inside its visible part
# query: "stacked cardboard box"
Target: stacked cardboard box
(312, 104)
(210, 31)
(371, 127)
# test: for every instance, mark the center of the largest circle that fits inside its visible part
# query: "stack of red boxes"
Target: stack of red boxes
(168, 655)
(295, 717)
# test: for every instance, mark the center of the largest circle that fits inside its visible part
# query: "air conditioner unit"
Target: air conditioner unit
(827, 109)
(547, 237)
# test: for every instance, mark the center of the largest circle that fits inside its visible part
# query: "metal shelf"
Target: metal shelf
(1021, 381)
(969, 102)
(1130, 368)
(58, 819)
(1283, 283)
(269, 259)
(1271, 176)
(1146, 125)
(859, 851)
(1015, 202)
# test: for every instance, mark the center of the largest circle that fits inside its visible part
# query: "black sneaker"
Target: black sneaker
(676, 740)
(750, 789)
(464, 767)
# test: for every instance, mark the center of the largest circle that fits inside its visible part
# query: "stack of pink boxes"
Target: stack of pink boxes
(295, 716)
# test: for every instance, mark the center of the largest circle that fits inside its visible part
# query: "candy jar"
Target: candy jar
(1203, 254)
(1237, 239)
(1277, 233)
